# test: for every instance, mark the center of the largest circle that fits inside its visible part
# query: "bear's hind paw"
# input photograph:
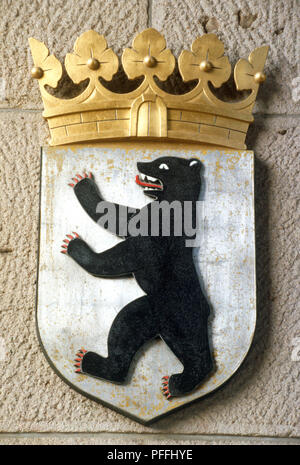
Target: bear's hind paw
(79, 357)
(165, 387)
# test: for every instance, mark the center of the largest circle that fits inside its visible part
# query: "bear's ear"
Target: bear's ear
(194, 163)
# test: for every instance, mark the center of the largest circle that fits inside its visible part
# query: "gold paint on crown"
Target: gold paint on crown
(148, 111)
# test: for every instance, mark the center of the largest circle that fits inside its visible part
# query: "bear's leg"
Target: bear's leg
(194, 353)
(134, 325)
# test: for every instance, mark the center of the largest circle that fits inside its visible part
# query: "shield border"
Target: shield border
(119, 410)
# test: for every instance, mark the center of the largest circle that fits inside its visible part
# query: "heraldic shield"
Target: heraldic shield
(146, 281)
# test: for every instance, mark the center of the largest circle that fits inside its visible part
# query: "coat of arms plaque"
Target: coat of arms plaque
(146, 283)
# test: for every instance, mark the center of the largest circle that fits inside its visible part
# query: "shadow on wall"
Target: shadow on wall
(262, 238)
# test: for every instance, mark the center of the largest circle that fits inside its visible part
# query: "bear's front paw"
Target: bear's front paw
(79, 177)
(67, 240)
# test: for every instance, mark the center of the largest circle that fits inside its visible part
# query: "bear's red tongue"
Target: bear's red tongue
(146, 184)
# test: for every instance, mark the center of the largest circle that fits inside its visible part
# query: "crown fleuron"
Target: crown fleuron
(148, 111)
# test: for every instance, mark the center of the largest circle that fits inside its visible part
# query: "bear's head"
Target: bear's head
(170, 178)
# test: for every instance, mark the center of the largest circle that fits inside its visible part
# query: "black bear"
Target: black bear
(174, 307)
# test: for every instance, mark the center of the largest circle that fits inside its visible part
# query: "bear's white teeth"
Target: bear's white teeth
(151, 180)
(148, 178)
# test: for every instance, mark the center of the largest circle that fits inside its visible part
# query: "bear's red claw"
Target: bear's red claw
(78, 360)
(165, 387)
(66, 242)
(78, 177)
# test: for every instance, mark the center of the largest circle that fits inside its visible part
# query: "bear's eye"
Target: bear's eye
(163, 166)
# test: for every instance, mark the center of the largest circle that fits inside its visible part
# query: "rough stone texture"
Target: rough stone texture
(138, 439)
(242, 25)
(58, 24)
(263, 397)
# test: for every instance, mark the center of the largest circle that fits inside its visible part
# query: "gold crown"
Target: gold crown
(148, 111)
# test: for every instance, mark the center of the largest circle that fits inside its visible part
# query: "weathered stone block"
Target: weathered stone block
(58, 24)
(242, 25)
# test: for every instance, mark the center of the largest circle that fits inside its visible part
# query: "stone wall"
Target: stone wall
(259, 404)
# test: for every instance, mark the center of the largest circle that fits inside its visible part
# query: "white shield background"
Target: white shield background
(76, 310)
